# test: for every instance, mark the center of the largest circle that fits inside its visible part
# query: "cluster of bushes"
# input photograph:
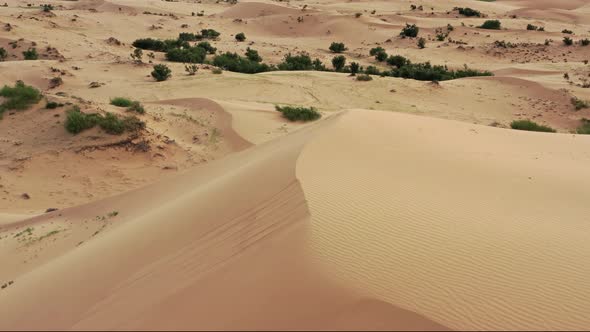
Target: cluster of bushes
(235, 62)
(410, 30)
(300, 62)
(468, 11)
(240, 37)
(427, 72)
(31, 54)
(131, 105)
(158, 45)
(161, 72)
(337, 47)
(77, 122)
(491, 25)
(19, 97)
(529, 125)
(584, 128)
(534, 28)
(579, 103)
(188, 55)
(569, 41)
(299, 113)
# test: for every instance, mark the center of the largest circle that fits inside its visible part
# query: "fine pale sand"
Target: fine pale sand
(410, 205)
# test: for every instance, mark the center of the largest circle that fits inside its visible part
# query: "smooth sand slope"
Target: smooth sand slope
(463, 224)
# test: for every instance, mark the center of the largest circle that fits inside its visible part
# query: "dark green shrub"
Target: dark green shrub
(338, 62)
(160, 45)
(427, 72)
(77, 121)
(397, 61)
(585, 42)
(531, 27)
(381, 56)
(187, 55)
(161, 72)
(187, 36)
(209, 34)
(354, 68)
(111, 124)
(318, 65)
(296, 62)
(372, 70)
(375, 50)
(584, 128)
(579, 104)
(410, 31)
(529, 125)
(240, 37)
(52, 105)
(253, 55)
(47, 8)
(491, 25)
(31, 54)
(234, 62)
(19, 97)
(468, 11)
(136, 107)
(569, 32)
(299, 113)
(568, 41)
(121, 102)
(337, 47)
(421, 43)
(3, 54)
(207, 47)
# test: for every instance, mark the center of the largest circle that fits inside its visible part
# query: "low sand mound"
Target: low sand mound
(547, 4)
(560, 15)
(258, 9)
(464, 224)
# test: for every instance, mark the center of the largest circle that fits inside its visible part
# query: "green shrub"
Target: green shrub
(19, 97)
(584, 128)
(111, 124)
(375, 50)
(410, 31)
(529, 125)
(531, 27)
(299, 113)
(136, 107)
(491, 25)
(207, 47)
(364, 77)
(354, 68)
(421, 43)
(338, 62)
(216, 71)
(47, 8)
(3, 54)
(121, 102)
(187, 55)
(296, 62)
(236, 63)
(77, 121)
(569, 32)
(579, 104)
(31, 54)
(372, 70)
(583, 42)
(53, 105)
(253, 55)
(209, 34)
(159, 45)
(381, 56)
(427, 72)
(467, 11)
(398, 61)
(240, 37)
(161, 72)
(337, 47)
(187, 36)
(568, 41)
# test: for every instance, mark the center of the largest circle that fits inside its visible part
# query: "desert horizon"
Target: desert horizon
(294, 165)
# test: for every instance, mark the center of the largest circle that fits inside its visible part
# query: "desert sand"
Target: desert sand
(410, 205)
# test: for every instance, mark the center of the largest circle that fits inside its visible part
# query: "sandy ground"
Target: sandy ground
(410, 205)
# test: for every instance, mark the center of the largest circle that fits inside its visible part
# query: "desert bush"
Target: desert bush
(31, 54)
(47, 8)
(191, 69)
(375, 50)
(491, 25)
(410, 31)
(337, 47)
(187, 55)
(583, 42)
(299, 113)
(468, 11)
(19, 97)
(159, 45)
(421, 43)
(569, 32)
(209, 34)
(3, 54)
(216, 71)
(296, 62)
(77, 121)
(531, 27)
(236, 63)
(52, 105)
(137, 55)
(338, 62)
(240, 37)
(136, 107)
(427, 72)
(161, 72)
(187, 36)
(584, 128)
(372, 70)
(252, 55)
(364, 77)
(121, 102)
(579, 103)
(354, 68)
(529, 125)
(381, 56)
(397, 61)
(568, 41)
(207, 47)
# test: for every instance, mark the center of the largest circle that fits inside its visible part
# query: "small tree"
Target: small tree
(240, 37)
(491, 25)
(376, 50)
(354, 68)
(410, 31)
(3, 54)
(31, 54)
(337, 47)
(161, 72)
(381, 56)
(191, 69)
(338, 62)
(253, 55)
(421, 42)
(137, 56)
